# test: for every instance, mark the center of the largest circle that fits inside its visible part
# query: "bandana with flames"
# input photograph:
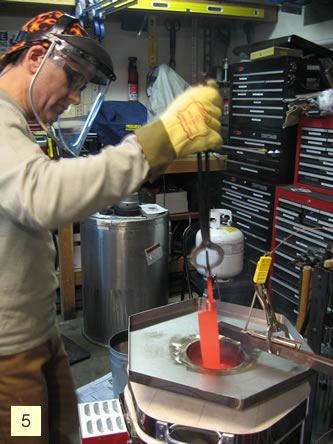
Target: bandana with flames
(43, 22)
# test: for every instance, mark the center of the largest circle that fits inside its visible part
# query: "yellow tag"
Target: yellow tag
(50, 148)
(262, 269)
(230, 229)
(131, 127)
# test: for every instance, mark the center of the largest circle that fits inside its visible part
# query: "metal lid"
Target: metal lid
(129, 206)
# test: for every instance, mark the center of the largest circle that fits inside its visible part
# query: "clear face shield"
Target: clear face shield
(69, 119)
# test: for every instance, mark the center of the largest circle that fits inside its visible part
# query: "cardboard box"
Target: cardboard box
(276, 51)
(102, 422)
(175, 201)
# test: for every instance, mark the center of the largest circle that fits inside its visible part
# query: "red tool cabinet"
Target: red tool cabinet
(314, 154)
(301, 211)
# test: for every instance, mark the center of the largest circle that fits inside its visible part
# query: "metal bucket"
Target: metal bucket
(119, 361)
(124, 271)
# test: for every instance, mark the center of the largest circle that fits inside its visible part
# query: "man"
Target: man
(51, 62)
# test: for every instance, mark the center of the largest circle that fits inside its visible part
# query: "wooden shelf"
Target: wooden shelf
(77, 277)
(184, 216)
(189, 165)
(68, 276)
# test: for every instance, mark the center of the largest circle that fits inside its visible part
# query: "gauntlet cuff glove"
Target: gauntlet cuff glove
(190, 124)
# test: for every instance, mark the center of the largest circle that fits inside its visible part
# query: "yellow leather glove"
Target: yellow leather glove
(190, 124)
(192, 121)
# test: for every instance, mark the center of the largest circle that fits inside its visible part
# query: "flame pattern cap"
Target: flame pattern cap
(37, 32)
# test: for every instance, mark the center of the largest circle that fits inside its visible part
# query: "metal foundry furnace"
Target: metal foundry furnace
(170, 397)
(212, 372)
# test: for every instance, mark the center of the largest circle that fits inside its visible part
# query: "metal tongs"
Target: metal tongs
(208, 323)
(203, 183)
(284, 347)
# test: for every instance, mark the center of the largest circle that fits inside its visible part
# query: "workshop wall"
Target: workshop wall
(123, 43)
(287, 24)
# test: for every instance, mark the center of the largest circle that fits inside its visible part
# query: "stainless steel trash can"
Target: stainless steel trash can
(124, 270)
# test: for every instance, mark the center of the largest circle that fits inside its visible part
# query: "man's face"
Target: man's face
(56, 88)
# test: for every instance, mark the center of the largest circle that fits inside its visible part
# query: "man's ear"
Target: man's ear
(34, 57)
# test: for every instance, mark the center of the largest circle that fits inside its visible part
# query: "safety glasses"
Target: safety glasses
(83, 72)
(75, 80)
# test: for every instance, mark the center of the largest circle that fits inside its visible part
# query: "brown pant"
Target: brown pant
(40, 376)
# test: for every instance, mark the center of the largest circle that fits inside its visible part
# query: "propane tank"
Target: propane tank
(231, 239)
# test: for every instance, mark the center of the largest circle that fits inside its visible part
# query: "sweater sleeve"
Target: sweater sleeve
(39, 192)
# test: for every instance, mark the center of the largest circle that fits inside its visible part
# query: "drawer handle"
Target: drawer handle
(249, 169)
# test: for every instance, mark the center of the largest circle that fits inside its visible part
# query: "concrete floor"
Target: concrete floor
(89, 369)
(99, 363)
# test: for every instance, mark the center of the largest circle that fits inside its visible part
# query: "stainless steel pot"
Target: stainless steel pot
(124, 270)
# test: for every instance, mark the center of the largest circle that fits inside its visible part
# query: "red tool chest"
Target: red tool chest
(314, 154)
(308, 215)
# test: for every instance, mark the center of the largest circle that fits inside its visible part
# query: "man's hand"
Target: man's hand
(192, 121)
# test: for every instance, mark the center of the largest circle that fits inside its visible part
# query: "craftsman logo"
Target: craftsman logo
(194, 120)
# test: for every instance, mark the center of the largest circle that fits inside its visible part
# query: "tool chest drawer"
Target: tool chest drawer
(259, 87)
(268, 154)
(257, 138)
(314, 154)
(258, 146)
(284, 305)
(269, 116)
(256, 156)
(281, 77)
(252, 169)
(303, 225)
(286, 273)
(251, 203)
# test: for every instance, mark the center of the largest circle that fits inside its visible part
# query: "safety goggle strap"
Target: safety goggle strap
(58, 28)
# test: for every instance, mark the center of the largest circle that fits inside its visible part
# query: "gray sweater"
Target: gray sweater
(37, 195)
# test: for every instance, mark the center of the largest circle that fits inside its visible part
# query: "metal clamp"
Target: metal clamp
(161, 430)
(273, 325)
